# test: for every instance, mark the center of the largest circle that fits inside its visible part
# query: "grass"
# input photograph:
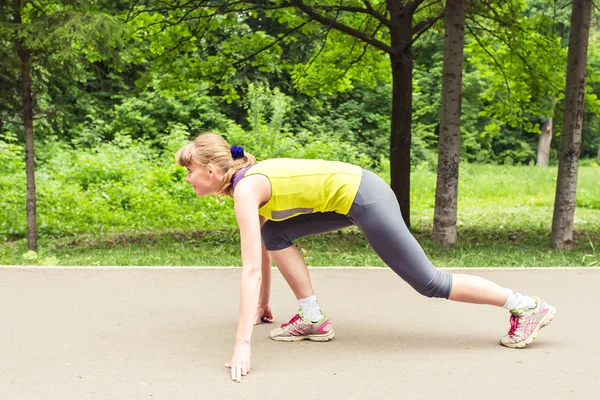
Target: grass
(504, 219)
(345, 248)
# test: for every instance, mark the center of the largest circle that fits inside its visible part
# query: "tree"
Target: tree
(446, 193)
(570, 141)
(48, 39)
(24, 54)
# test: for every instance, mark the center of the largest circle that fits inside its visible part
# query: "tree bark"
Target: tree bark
(446, 193)
(570, 140)
(26, 97)
(544, 142)
(401, 135)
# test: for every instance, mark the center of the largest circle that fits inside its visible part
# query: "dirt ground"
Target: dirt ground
(164, 333)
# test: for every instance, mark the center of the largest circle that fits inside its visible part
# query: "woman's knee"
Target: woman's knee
(439, 286)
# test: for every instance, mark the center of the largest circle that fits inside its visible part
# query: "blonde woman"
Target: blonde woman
(280, 200)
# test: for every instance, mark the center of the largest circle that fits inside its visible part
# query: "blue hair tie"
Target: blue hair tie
(237, 152)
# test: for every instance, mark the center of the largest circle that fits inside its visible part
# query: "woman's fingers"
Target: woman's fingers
(238, 370)
(236, 374)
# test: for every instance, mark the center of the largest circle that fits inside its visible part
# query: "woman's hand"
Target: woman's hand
(264, 314)
(240, 362)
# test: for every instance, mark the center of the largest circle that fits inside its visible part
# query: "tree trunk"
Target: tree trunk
(544, 142)
(446, 193)
(400, 135)
(570, 140)
(27, 100)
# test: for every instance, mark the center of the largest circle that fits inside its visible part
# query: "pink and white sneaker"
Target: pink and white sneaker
(525, 324)
(299, 328)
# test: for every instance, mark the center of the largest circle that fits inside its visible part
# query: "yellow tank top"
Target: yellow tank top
(307, 186)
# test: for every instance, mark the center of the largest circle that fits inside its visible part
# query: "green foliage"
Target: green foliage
(427, 86)
(11, 154)
(62, 40)
(339, 63)
(591, 118)
(334, 61)
(271, 137)
(122, 185)
(150, 114)
(129, 184)
(359, 116)
(114, 101)
(526, 72)
(12, 185)
(207, 45)
(504, 220)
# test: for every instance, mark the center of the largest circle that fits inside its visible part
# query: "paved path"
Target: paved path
(131, 333)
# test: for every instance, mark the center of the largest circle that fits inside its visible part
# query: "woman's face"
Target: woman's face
(204, 180)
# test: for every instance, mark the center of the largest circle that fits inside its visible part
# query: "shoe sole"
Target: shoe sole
(315, 338)
(544, 322)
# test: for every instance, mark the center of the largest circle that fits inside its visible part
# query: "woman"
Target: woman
(277, 201)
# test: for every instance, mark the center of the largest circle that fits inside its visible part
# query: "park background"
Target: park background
(117, 87)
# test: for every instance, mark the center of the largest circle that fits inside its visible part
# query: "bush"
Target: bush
(133, 185)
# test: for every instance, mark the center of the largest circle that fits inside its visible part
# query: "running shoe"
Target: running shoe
(525, 324)
(299, 328)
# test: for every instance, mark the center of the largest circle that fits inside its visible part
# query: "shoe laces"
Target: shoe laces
(291, 321)
(514, 324)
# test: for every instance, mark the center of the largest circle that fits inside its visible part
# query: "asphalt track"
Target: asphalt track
(164, 333)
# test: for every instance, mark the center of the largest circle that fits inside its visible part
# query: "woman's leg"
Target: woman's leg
(290, 263)
(377, 213)
(278, 237)
(474, 289)
(309, 323)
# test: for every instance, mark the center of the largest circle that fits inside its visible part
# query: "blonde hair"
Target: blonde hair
(210, 148)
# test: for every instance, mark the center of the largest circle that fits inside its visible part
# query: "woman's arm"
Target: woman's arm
(248, 196)
(251, 244)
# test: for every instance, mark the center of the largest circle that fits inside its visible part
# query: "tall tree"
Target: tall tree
(24, 54)
(570, 141)
(446, 192)
(49, 39)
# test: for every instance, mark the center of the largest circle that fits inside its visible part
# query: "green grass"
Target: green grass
(505, 198)
(347, 248)
(505, 217)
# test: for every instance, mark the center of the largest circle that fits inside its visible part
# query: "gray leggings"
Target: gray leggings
(375, 211)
